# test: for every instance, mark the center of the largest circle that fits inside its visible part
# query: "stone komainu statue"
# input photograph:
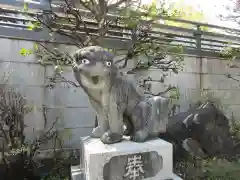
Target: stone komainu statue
(116, 99)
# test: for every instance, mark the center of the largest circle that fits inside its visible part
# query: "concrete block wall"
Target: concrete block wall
(187, 80)
(70, 104)
(27, 76)
(209, 75)
(214, 78)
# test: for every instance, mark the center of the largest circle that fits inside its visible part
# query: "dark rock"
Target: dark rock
(202, 132)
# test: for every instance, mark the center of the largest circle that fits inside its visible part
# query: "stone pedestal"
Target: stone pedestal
(151, 160)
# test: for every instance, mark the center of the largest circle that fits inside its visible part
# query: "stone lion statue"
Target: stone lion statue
(116, 99)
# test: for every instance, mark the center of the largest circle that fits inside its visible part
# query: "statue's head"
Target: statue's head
(92, 66)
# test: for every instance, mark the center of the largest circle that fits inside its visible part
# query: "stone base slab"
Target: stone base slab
(78, 174)
(127, 160)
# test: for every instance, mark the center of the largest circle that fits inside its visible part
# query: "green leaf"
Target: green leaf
(33, 26)
(30, 27)
(182, 10)
(25, 6)
(25, 52)
(35, 46)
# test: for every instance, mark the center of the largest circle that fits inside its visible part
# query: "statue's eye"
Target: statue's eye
(108, 63)
(85, 61)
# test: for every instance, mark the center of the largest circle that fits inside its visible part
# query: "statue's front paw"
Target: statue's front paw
(97, 133)
(139, 136)
(110, 138)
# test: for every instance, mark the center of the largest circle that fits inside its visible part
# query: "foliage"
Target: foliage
(221, 168)
(136, 19)
(59, 170)
(25, 6)
(185, 12)
(230, 52)
(232, 7)
(18, 156)
(235, 128)
(34, 26)
(139, 21)
(208, 169)
(12, 111)
(25, 52)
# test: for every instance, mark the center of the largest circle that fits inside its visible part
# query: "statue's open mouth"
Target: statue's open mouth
(95, 79)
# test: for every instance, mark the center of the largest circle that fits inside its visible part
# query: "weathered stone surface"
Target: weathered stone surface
(114, 162)
(113, 95)
(76, 173)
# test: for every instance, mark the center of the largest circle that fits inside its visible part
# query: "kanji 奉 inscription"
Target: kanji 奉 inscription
(133, 166)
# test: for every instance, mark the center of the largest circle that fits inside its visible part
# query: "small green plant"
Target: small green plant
(230, 53)
(25, 52)
(34, 26)
(208, 169)
(235, 128)
(221, 169)
(25, 6)
(18, 156)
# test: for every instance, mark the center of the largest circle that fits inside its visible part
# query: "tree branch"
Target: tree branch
(231, 77)
(117, 4)
(78, 42)
(57, 78)
(161, 93)
(91, 6)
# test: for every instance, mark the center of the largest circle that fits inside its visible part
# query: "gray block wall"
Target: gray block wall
(187, 80)
(214, 78)
(71, 106)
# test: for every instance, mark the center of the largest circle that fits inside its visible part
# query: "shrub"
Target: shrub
(18, 157)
